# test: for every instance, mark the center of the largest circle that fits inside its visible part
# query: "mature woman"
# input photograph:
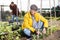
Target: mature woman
(33, 21)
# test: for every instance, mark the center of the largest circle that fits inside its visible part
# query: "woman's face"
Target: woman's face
(32, 12)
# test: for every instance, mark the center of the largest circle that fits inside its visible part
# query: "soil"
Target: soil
(54, 36)
(53, 22)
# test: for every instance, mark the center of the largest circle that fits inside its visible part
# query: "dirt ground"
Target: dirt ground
(54, 22)
(54, 36)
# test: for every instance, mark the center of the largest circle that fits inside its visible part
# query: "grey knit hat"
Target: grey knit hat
(34, 7)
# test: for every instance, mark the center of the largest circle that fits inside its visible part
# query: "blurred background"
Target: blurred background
(45, 7)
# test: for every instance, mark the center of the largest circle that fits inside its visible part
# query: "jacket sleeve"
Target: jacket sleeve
(45, 21)
(27, 25)
(10, 7)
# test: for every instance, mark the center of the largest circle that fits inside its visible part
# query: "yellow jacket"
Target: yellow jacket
(28, 21)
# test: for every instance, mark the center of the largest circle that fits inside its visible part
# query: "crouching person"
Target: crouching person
(32, 21)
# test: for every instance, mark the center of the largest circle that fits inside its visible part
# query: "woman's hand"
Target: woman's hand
(44, 31)
(38, 32)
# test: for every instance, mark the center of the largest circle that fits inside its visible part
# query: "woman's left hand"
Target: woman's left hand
(44, 31)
